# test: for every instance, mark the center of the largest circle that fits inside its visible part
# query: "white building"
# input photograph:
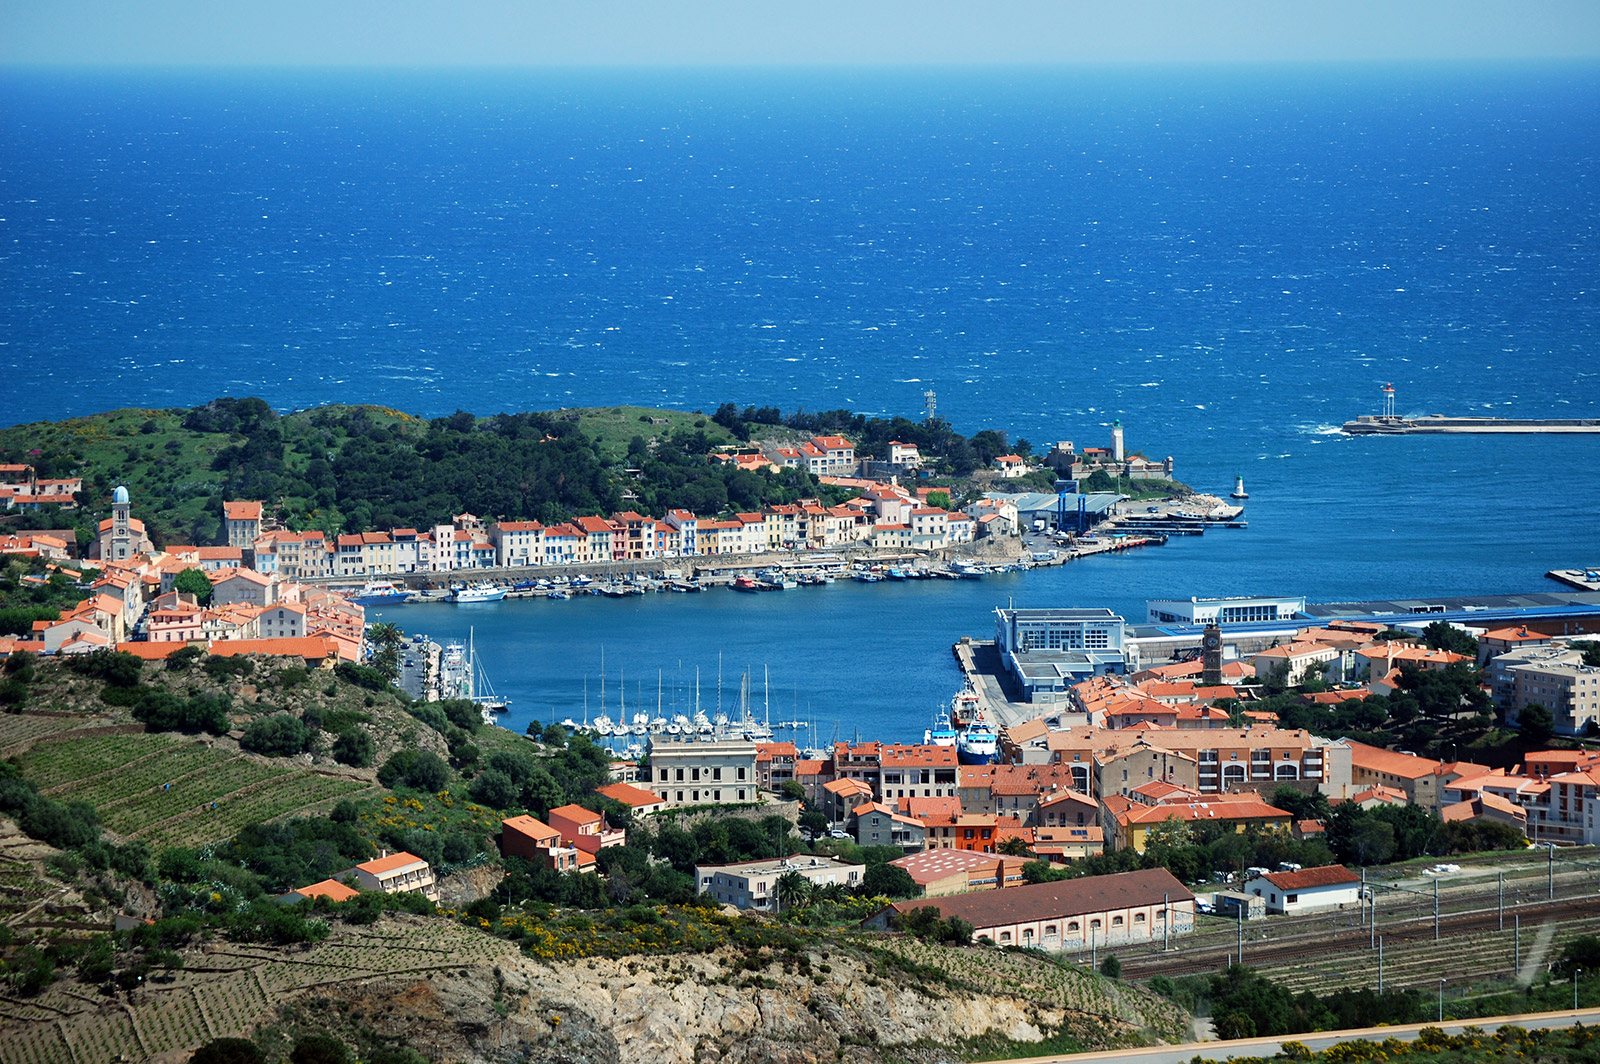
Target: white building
(751, 884)
(1203, 611)
(717, 773)
(1328, 887)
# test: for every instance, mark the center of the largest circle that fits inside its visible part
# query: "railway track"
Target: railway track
(1290, 950)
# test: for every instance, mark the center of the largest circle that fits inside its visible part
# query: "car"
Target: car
(1204, 907)
(837, 833)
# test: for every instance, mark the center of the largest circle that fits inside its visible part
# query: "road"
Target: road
(1266, 1047)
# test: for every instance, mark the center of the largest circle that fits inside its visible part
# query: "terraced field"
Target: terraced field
(172, 790)
(73, 759)
(225, 990)
(17, 729)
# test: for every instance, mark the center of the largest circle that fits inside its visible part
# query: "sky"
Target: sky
(538, 33)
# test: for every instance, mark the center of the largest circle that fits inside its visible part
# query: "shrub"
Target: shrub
(345, 812)
(220, 668)
(1111, 968)
(495, 789)
(65, 826)
(279, 735)
(463, 713)
(361, 675)
(319, 1049)
(114, 667)
(185, 659)
(165, 711)
(354, 748)
(228, 1051)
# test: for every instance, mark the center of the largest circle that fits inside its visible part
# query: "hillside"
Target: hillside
(181, 793)
(451, 993)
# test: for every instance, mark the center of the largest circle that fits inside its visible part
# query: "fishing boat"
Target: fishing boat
(379, 593)
(977, 744)
(749, 583)
(943, 733)
(480, 592)
(965, 708)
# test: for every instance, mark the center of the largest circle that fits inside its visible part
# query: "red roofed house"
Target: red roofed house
(242, 522)
(638, 800)
(331, 889)
(1493, 644)
(395, 873)
(584, 828)
(1328, 887)
(840, 797)
(879, 825)
(533, 840)
(775, 764)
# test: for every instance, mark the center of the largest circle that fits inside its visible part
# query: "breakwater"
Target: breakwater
(1381, 425)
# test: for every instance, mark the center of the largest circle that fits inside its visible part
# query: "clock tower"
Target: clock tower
(1211, 656)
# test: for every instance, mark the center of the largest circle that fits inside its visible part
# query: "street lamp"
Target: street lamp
(1441, 998)
(1576, 972)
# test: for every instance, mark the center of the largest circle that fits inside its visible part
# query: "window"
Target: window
(663, 775)
(716, 773)
(1094, 925)
(680, 775)
(1005, 936)
(696, 772)
(741, 794)
(716, 796)
(1116, 921)
(694, 796)
(1072, 926)
(679, 798)
(741, 772)
(1138, 918)
(1050, 931)
(1290, 899)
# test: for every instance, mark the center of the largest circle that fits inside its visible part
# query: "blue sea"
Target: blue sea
(1231, 262)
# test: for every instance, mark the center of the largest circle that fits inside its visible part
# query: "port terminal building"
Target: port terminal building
(1047, 651)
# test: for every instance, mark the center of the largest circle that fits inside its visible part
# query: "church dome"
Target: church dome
(120, 496)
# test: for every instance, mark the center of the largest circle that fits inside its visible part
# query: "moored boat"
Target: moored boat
(379, 593)
(977, 744)
(481, 592)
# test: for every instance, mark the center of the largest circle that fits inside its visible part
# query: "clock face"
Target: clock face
(1212, 642)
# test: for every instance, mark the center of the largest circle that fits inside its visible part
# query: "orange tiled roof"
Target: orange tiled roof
(380, 865)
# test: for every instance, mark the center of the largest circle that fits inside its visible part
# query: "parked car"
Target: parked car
(838, 833)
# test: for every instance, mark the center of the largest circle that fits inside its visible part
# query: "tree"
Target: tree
(1372, 842)
(889, 880)
(1015, 846)
(792, 890)
(1111, 968)
(1536, 723)
(386, 642)
(792, 791)
(194, 582)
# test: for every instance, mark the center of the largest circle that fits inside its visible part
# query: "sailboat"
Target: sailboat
(481, 690)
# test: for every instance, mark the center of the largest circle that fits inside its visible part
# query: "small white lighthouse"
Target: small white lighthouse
(1118, 451)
